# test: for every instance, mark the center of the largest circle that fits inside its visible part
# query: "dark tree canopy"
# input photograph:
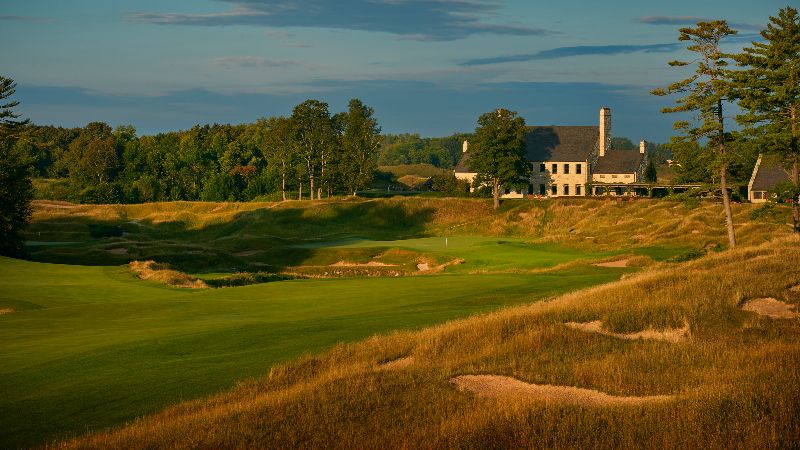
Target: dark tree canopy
(497, 152)
(16, 190)
(769, 93)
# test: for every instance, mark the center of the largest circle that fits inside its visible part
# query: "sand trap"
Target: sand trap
(668, 335)
(498, 386)
(771, 307)
(57, 205)
(246, 253)
(423, 266)
(619, 263)
(119, 251)
(5, 311)
(369, 264)
(795, 288)
(399, 363)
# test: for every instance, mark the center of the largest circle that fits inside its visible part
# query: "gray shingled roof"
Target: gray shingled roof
(553, 143)
(770, 174)
(557, 143)
(463, 163)
(619, 161)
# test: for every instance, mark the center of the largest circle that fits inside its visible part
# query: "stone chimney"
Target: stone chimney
(465, 146)
(643, 147)
(605, 130)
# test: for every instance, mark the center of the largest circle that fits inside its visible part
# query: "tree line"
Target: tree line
(311, 153)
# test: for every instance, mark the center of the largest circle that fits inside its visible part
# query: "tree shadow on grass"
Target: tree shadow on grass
(260, 240)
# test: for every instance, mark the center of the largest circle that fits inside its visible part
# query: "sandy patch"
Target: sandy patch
(5, 311)
(425, 267)
(218, 208)
(118, 251)
(618, 263)
(795, 288)
(668, 335)
(246, 253)
(771, 307)
(399, 363)
(695, 231)
(497, 386)
(369, 264)
(57, 205)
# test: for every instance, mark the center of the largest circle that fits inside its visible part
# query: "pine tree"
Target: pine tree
(16, 190)
(650, 174)
(706, 93)
(498, 151)
(769, 92)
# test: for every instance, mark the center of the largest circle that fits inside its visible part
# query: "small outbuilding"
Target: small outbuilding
(767, 174)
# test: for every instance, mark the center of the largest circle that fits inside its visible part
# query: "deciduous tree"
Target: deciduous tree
(498, 151)
(360, 143)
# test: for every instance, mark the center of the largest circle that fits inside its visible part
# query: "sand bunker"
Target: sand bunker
(369, 264)
(795, 288)
(771, 307)
(498, 386)
(668, 335)
(246, 253)
(399, 363)
(423, 266)
(619, 263)
(5, 311)
(119, 251)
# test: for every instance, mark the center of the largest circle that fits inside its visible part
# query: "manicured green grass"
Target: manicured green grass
(89, 347)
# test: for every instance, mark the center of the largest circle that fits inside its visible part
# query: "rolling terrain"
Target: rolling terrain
(93, 346)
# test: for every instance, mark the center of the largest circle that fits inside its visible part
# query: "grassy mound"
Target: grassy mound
(732, 384)
(277, 237)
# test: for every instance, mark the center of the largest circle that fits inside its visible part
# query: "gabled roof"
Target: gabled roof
(553, 143)
(619, 161)
(769, 174)
(463, 163)
(558, 143)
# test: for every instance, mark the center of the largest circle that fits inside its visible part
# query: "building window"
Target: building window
(553, 190)
(566, 168)
(577, 189)
(614, 176)
(627, 176)
(530, 189)
(602, 176)
(542, 189)
(541, 167)
(577, 168)
(566, 189)
(554, 168)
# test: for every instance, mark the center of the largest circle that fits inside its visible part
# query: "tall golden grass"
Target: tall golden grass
(150, 270)
(735, 381)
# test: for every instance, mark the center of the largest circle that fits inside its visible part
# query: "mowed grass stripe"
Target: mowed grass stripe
(103, 348)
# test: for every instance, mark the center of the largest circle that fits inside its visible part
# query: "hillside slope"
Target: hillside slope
(725, 378)
(207, 237)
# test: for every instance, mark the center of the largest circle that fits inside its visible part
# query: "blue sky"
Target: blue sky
(425, 66)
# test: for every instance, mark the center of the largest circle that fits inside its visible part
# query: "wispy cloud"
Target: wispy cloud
(418, 19)
(692, 20)
(13, 18)
(251, 61)
(582, 50)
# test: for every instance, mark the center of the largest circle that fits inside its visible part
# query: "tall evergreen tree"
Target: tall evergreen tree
(705, 94)
(16, 190)
(498, 151)
(360, 142)
(769, 92)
